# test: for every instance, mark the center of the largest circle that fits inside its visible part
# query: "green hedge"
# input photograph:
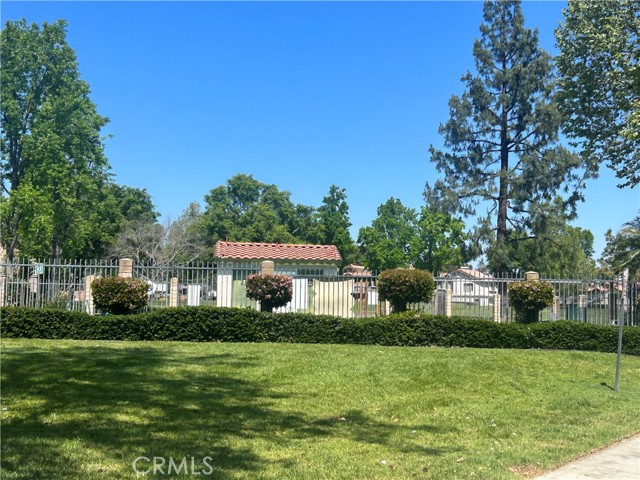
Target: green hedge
(208, 324)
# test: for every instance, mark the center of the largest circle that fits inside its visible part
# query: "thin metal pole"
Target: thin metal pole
(625, 277)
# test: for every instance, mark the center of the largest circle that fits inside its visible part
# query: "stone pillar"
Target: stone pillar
(497, 299)
(125, 269)
(582, 308)
(448, 300)
(440, 301)
(555, 308)
(582, 301)
(88, 294)
(173, 292)
(532, 276)
(268, 267)
(3, 278)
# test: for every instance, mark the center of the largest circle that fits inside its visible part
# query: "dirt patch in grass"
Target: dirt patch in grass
(527, 471)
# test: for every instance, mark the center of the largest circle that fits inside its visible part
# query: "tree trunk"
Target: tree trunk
(398, 307)
(503, 195)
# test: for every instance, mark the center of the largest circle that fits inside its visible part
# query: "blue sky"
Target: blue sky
(299, 94)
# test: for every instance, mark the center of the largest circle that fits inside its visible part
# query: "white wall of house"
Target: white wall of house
(470, 290)
(225, 275)
(224, 289)
(300, 299)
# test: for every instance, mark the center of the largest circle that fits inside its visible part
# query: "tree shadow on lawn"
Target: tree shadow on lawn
(88, 412)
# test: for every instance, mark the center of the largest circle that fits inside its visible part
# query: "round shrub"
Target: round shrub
(119, 296)
(401, 286)
(528, 297)
(272, 291)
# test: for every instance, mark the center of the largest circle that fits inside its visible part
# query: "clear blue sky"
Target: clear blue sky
(299, 94)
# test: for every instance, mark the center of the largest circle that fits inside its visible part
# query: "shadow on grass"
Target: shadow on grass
(87, 412)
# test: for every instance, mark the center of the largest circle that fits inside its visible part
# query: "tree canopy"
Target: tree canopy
(56, 198)
(623, 249)
(386, 243)
(334, 223)
(246, 210)
(599, 84)
(501, 141)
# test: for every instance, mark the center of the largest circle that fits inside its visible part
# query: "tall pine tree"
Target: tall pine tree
(502, 151)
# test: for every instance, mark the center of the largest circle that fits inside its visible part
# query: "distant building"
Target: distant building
(470, 286)
(237, 260)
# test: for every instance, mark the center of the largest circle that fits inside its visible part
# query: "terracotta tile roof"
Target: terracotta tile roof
(276, 251)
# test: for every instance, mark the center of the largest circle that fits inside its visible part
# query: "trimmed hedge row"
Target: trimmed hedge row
(209, 324)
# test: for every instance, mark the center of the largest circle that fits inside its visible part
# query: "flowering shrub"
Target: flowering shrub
(402, 286)
(119, 296)
(272, 291)
(528, 297)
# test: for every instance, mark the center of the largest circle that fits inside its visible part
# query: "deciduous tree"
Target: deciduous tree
(151, 243)
(599, 65)
(386, 244)
(558, 250)
(246, 210)
(440, 241)
(54, 173)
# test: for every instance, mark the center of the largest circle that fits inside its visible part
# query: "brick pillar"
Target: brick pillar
(268, 267)
(532, 276)
(88, 294)
(125, 269)
(497, 299)
(173, 292)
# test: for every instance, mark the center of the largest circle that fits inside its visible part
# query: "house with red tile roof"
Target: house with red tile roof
(237, 260)
(279, 253)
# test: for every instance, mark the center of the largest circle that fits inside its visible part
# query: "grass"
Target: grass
(86, 410)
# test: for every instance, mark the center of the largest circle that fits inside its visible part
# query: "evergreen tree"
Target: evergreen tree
(333, 217)
(501, 139)
(623, 249)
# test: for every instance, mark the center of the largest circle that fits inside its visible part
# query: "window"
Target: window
(468, 288)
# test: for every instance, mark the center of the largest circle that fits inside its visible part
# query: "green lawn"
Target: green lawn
(86, 410)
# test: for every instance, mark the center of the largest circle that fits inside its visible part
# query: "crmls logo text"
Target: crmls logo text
(169, 466)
